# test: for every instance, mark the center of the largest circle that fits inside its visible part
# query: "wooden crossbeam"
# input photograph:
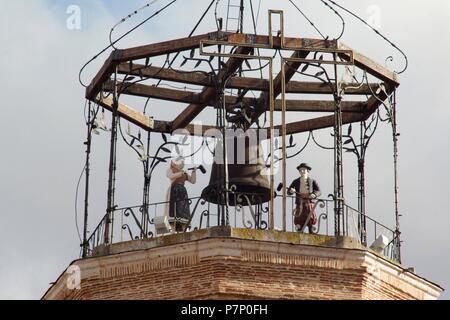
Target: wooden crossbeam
(304, 105)
(257, 84)
(231, 101)
(134, 116)
(119, 56)
(319, 123)
(298, 44)
(321, 106)
(145, 122)
(142, 90)
(328, 121)
(277, 86)
(183, 44)
(161, 48)
(373, 68)
(178, 45)
(208, 93)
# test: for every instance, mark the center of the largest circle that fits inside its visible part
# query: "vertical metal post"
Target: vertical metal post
(362, 187)
(241, 17)
(272, 133)
(395, 140)
(112, 168)
(338, 162)
(88, 143)
(283, 134)
(222, 122)
(146, 195)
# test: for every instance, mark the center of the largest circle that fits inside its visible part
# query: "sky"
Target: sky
(44, 46)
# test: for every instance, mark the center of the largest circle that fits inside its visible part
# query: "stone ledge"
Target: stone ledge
(229, 232)
(238, 248)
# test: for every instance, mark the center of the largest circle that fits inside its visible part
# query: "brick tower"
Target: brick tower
(228, 263)
(224, 244)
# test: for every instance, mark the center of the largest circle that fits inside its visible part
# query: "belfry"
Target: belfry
(239, 238)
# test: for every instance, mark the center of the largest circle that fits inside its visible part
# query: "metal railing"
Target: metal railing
(137, 222)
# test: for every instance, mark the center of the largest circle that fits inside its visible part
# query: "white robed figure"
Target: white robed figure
(177, 207)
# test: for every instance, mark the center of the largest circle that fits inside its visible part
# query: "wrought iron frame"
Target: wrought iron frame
(122, 62)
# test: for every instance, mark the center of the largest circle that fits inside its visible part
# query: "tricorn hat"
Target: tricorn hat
(304, 165)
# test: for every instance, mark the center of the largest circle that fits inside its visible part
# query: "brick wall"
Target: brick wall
(227, 268)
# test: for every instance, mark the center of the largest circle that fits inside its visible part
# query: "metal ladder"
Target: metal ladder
(234, 23)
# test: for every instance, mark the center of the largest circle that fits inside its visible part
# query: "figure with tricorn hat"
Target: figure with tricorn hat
(306, 190)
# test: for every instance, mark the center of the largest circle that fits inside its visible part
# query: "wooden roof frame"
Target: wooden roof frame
(123, 62)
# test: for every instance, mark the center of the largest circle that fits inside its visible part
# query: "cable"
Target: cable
(128, 17)
(76, 202)
(338, 14)
(254, 29)
(123, 36)
(377, 32)
(215, 15)
(304, 15)
(257, 14)
(143, 22)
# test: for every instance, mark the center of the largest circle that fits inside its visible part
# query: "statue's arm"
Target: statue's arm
(316, 189)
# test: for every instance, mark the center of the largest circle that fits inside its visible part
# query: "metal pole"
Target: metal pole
(395, 140)
(241, 17)
(272, 132)
(146, 195)
(86, 189)
(338, 165)
(362, 187)
(225, 216)
(112, 168)
(283, 134)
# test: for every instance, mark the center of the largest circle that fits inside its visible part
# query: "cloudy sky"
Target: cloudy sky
(43, 48)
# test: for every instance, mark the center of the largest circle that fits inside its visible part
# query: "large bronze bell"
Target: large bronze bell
(245, 179)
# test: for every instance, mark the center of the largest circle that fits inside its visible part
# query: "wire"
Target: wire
(128, 17)
(215, 15)
(304, 15)
(120, 38)
(340, 17)
(254, 29)
(377, 32)
(76, 202)
(145, 21)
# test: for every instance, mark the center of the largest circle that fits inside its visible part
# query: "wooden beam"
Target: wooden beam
(303, 105)
(324, 88)
(277, 86)
(371, 66)
(319, 123)
(141, 52)
(231, 101)
(328, 121)
(321, 106)
(178, 45)
(257, 84)
(298, 44)
(104, 74)
(142, 90)
(161, 48)
(145, 122)
(139, 70)
(194, 110)
(134, 116)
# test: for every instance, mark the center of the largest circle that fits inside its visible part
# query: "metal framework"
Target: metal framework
(244, 48)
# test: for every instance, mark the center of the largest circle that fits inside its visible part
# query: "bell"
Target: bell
(246, 182)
